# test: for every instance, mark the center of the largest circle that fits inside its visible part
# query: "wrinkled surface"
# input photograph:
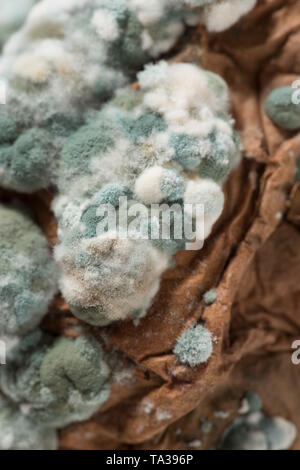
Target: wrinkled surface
(252, 258)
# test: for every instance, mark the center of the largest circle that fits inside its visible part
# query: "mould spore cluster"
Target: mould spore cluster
(46, 382)
(165, 145)
(68, 58)
(254, 430)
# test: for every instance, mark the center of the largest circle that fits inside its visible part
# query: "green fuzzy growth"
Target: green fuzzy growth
(18, 432)
(72, 364)
(56, 92)
(256, 431)
(261, 433)
(27, 273)
(63, 381)
(194, 346)
(168, 239)
(210, 296)
(109, 195)
(126, 50)
(187, 150)
(8, 130)
(143, 126)
(127, 99)
(172, 185)
(90, 220)
(94, 315)
(281, 109)
(89, 141)
(27, 165)
(217, 164)
(254, 401)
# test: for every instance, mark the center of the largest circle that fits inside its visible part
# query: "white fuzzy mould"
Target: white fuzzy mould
(184, 106)
(106, 25)
(208, 193)
(130, 269)
(147, 186)
(148, 12)
(222, 15)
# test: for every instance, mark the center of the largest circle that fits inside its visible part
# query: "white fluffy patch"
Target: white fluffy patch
(148, 12)
(147, 186)
(220, 16)
(167, 93)
(106, 25)
(210, 195)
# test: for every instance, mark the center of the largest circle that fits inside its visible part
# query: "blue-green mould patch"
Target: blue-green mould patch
(172, 185)
(89, 141)
(111, 194)
(57, 97)
(75, 362)
(194, 346)
(94, 315)
(281, 109)
(27, 165)
(217, 163)
(187, 150)
(27, 272)
(62, 380)
(210, 296)
(143, 126)
(256, 431)
(252, 402)
(8, 130)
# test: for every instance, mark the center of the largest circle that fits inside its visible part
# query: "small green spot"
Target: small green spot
(210, 296)
(281, 109)
(194, 346)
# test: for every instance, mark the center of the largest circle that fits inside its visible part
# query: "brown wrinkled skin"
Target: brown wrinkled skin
(252, 258)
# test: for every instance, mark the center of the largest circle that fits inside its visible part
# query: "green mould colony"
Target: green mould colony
(73, 123)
